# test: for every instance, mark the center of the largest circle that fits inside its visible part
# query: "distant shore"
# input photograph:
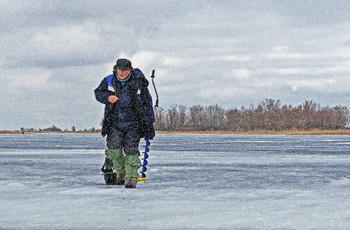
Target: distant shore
(282, 132)
(30, 131)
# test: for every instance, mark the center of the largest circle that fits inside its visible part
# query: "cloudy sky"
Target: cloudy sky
(231, 53)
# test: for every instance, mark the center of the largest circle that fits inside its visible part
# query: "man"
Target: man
(128, 117)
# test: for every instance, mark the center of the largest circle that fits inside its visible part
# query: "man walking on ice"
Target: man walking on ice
(128, 117)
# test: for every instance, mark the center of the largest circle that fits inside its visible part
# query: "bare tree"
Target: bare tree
(268, 115)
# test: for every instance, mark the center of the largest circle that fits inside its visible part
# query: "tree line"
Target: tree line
(268, 115)
(54, 128)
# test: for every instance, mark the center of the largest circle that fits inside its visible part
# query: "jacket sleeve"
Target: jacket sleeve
(102, 93)
(146, 97)
(148, 105)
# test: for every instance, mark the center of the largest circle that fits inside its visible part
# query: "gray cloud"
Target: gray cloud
(231, 53)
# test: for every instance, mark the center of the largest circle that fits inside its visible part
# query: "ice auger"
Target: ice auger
(145, 162)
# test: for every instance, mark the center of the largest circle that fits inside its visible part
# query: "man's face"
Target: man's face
(123, 74)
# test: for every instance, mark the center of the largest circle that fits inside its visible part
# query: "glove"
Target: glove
(149, 132)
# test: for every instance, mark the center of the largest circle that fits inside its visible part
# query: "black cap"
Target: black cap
(123, 64)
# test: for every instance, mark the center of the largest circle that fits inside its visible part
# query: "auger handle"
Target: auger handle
(154, 86)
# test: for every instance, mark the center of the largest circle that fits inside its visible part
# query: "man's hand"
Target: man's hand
(113, 99)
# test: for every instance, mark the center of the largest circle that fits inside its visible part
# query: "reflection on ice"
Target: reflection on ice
(194, 182)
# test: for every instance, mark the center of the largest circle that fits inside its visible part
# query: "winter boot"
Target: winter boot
(118, 158)
(109, 177)
(130, 183)
(132, 163)
(120, 178)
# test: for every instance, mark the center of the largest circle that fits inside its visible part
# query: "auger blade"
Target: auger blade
(145, 162)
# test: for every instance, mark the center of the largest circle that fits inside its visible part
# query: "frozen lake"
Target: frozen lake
(53, 181)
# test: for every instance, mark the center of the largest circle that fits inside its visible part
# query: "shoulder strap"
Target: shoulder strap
(114, 84)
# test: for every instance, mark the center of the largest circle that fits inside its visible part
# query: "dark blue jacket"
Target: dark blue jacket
(134, 106)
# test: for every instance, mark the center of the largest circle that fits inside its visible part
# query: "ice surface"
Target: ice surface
(53, 181)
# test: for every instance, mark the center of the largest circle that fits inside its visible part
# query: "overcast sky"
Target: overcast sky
(230, 53)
